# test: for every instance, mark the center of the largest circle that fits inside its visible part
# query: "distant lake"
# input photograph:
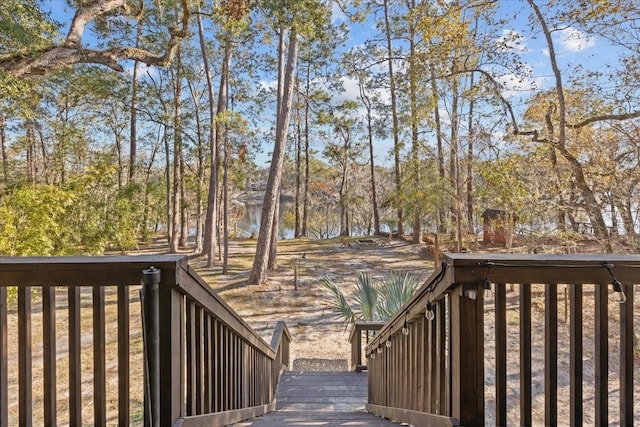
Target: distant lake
(250, 221)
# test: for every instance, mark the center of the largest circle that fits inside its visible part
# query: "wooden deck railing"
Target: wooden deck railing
(452, 356)
(355, 338)
(72, 340)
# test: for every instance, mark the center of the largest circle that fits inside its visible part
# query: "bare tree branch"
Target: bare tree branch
(605, 117)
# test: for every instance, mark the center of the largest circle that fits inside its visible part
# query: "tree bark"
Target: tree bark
(394, 116)
(259, 270)
(210, 237)
(272, 262)
(133, 138)
(3, 144)
(223, 96)
(177, 154)
(440, 146)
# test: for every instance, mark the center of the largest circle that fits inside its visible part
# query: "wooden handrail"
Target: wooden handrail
(212, 366)
(436, 367)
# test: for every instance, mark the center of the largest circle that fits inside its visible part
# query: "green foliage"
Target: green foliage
(24, 28)
(395, 290)
(32, 220)
(373, 301)
(89, 216)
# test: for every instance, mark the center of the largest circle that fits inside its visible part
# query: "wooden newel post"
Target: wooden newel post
(151, 319)
(467, 355)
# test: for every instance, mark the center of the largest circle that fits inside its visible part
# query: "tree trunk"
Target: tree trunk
(184, 210)
(470, 158)
(133, 133)
(297, 198)
(210, 236)
(168, 186)
(259, 270)
(454, 170)
(225, 198)
(626, 214)
(272, 261)
(177, 154)
(416, 181)
(440, 146)
(3, 144)
(223, 96)
(31, 161)
(307, 155)
(372, 169)
(394, 116)
(200, 160)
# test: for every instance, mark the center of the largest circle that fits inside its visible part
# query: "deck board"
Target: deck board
(320, 398)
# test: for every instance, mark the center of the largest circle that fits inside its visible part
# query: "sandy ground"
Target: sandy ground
(315, 330)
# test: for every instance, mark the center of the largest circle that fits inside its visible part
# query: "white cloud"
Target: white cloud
(573, 40)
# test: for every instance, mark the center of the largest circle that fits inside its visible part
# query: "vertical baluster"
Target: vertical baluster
(448, 357)
(551, 355)
(219, 368)
(75, 373)
(24, 356)
(409, 373)
(384, 374)
(626, 358)
(430, 367)
(601, 354)
(123, 356)
(199, 360)
(501, 353)
(442, 364)
(434, 363)
(422, 350)
(99, 374)
(234, 370)
(575, 363)
(241, 372)
(191, 358)
(226, 395)
(49, 354)
(246, 354)
(208, 356)
(4, 384)
(525, 354)
(256, 378)
(395, 377)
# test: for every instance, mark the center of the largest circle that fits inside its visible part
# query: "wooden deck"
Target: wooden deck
(320, 398)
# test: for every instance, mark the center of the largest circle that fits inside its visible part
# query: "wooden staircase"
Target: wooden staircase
(320, 398)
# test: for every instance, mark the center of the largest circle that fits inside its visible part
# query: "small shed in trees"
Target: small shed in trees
(498, 226)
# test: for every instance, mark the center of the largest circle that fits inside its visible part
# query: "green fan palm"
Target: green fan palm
(373, 301)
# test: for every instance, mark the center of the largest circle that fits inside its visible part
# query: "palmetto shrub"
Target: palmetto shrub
(373, 300)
